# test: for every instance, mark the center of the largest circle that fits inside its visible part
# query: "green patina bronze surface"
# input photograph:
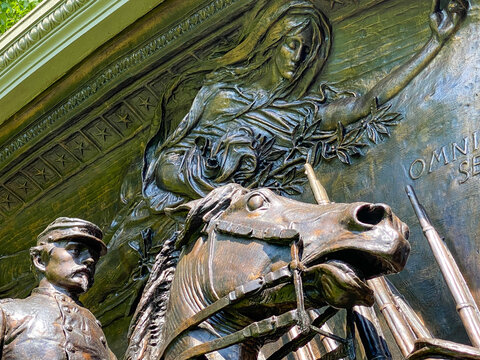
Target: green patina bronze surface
(77, 149)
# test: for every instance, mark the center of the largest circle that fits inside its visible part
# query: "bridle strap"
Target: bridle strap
(274, 278)
(305, 337)
(289, 273)
(269, 326)
(297, 268)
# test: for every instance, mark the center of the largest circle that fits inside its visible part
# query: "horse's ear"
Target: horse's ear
(198, 212)
(179, 213)
(186, 214)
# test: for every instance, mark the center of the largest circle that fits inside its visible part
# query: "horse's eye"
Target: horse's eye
(256, 201)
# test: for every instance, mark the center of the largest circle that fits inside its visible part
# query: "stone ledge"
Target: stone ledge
(34, 27)
(52, 39)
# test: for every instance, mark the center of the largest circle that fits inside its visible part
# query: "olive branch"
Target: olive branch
(345, 142)
(310, 144)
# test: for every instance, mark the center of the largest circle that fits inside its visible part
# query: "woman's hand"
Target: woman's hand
(444, 23)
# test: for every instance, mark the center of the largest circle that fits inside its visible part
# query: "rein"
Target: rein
(290, 273)
(241, 292)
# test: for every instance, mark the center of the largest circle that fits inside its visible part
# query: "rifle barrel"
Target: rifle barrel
(365, 319)
(318, 190)
(466, 306)
(401, 331)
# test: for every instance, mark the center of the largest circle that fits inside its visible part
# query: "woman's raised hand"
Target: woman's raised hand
(445, 22)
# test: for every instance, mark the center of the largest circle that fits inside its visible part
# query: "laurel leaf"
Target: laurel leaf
(387, 118)
(263, 176)
(296, 132)
(372, 134)
(293, 190)
(357, 151)
(344, 157)
(382, 129)
(275, 155)
(289, 176)
(351, 136)
(312, 128)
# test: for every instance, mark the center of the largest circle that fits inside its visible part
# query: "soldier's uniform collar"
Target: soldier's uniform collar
(57, 295)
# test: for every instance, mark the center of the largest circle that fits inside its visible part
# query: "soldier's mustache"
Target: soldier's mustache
(81, 270)
(87, 280)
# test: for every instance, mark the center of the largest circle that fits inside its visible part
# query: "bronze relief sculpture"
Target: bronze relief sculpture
(272, 91)
(258, 117)
(234, 285)
(256, 120)
(51, 323)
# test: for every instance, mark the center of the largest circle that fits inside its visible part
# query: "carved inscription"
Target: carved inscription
(464, 152)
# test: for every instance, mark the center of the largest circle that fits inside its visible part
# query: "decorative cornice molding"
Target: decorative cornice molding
(39, 29)
(111, 73)
(75, 148)
(64, 40)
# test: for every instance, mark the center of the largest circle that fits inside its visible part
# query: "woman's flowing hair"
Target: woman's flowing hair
(268, 24)
(262, 38)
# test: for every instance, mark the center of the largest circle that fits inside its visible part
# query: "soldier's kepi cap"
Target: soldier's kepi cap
(70, 228)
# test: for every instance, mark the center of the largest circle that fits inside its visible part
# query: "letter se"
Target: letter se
(469, 168)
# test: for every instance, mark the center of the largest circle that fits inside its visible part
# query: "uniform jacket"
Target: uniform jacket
(50, 325)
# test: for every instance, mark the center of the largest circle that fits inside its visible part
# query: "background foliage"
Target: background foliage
(13, 10)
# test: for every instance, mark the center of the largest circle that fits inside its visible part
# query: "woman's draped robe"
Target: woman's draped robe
(229, 135)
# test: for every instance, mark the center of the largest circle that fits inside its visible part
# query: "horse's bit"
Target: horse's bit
(272, 325)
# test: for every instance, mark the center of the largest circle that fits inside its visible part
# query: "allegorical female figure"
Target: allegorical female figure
(254, 119)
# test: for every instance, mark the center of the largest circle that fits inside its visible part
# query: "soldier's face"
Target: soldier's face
(71, 266)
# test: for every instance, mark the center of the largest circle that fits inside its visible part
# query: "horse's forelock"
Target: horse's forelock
(204, 210)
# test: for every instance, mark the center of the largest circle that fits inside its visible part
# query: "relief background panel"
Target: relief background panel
(365, 47)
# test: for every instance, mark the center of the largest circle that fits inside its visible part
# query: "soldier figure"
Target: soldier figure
(52, 323)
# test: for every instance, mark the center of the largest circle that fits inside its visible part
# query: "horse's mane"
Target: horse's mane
(149, 318)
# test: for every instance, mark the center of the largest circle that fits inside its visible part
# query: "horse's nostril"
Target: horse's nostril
(406, 231)
(370, 214)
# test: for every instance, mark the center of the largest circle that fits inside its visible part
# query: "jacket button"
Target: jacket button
(68, 327)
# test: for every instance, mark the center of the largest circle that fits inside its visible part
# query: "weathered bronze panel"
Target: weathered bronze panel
(77, 150)
(439, 110)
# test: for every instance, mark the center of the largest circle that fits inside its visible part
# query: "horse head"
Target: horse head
(234, 236)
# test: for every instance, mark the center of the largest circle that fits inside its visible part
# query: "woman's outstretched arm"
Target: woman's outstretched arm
(443, 24)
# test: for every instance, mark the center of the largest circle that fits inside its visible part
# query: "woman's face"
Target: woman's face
(292, 51)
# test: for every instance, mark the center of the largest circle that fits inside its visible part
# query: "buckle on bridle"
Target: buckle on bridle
(296, 267)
